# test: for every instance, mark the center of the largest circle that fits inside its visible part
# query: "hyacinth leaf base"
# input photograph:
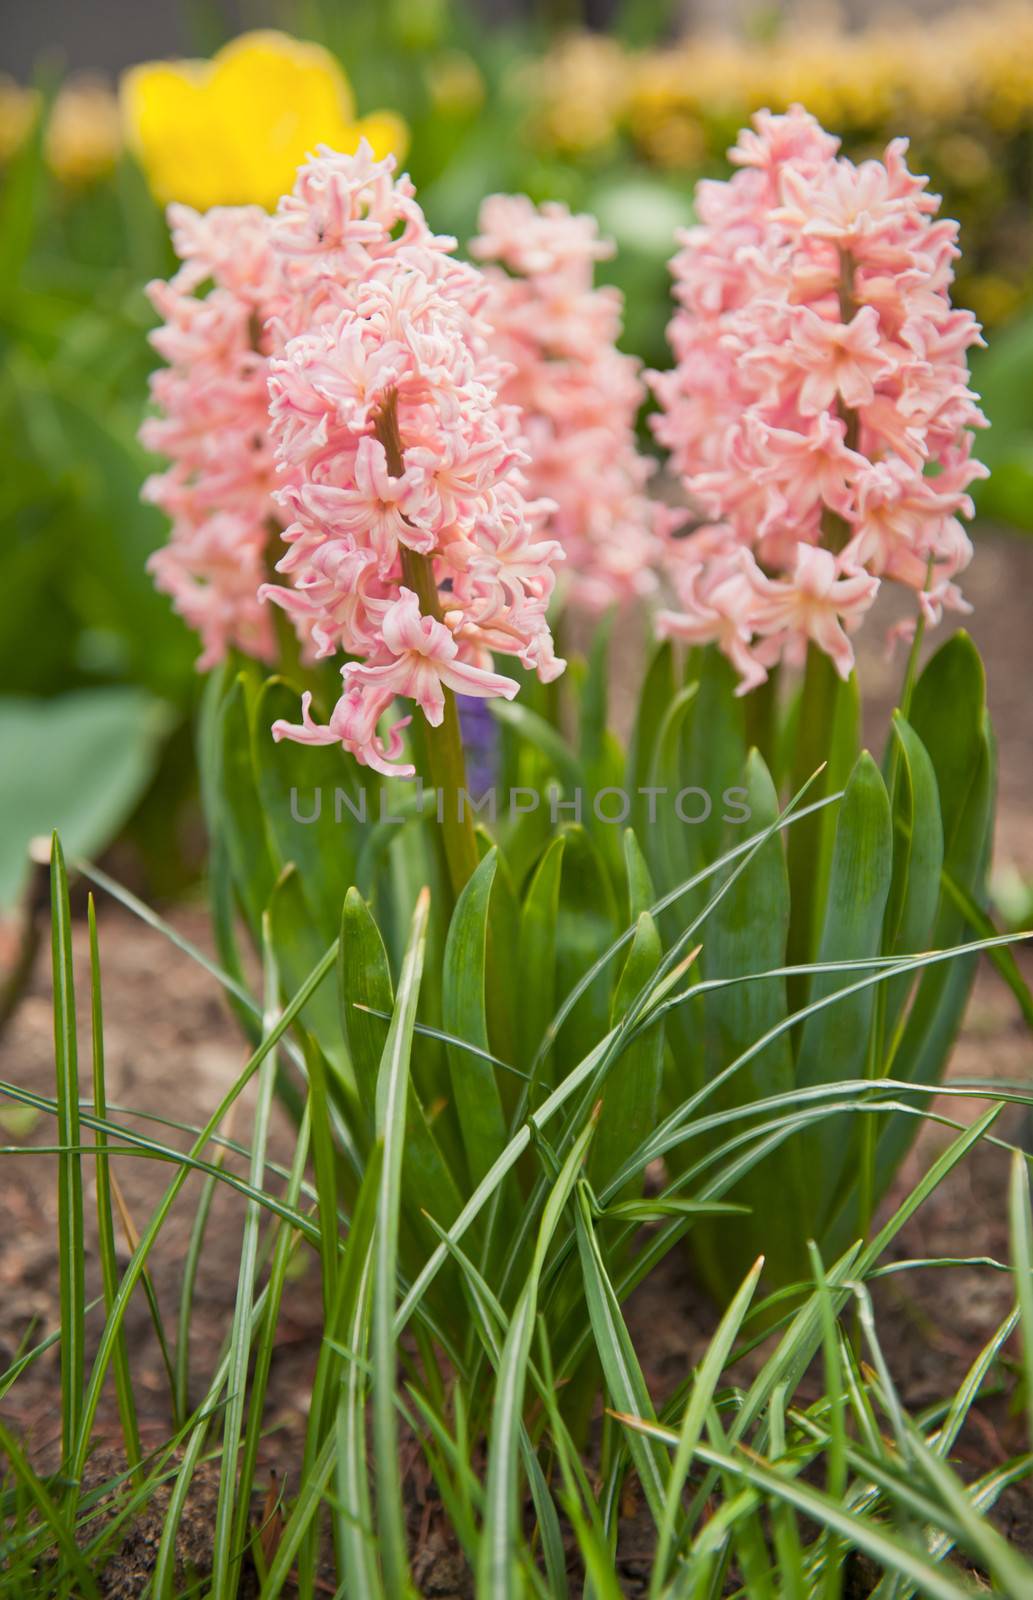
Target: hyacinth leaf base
(755, 1064)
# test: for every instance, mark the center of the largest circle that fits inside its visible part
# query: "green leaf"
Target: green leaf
(536, 952)
(744, 933)
(917, 860)
(585, 928)
(947, 710)
(138, 1263)
(78, 764)
(632, 1086)
(1021, 1228)
(105, 1221)
(664, 835)
(503, 999)
(834, 1044)
(641, 893)
(713, 748)
(392, 1098)
(299, 945)
(71, 1241)
(474, 1086)
(35, 1490)
(225, 1560)
(1001, 376)
(240, 809)
(827, 731)
(364, 986)
(704, 1383)
(948, 714)
(658, 690)
(497, 1570)
(622, 1373)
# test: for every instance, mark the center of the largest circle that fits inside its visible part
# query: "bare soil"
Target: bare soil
(173, 1048)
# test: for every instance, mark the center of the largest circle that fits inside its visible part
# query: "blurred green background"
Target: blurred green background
(97, 683)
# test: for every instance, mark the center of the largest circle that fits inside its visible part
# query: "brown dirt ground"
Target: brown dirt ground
(172, 1048)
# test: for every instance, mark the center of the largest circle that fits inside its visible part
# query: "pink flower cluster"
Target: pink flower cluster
(819, 411)
(214, 427)
(337, 389)
(412, 543)
(578, 395)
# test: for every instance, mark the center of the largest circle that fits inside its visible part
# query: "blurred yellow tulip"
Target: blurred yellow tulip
(234, 130)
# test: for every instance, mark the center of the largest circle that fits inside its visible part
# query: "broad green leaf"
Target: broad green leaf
(746, 932)
(713, 749)
(536, 952)
(78, 764)
(503, 998)
(474, 1088)
(298, 946)
(947, 710)
(585, 928)
(834, 1044)
(917, 860)
(1001, 377)
(632, 1086)
(663, 836)
(641, 893)
(658, 690)
(827, 731)
(364, 987)
(920, 1053)
(254, 871)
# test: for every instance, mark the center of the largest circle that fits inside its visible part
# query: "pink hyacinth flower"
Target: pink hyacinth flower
(424, 662)
(819, 409)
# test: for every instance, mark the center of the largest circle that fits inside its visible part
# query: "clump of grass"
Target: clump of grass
(754, 1487)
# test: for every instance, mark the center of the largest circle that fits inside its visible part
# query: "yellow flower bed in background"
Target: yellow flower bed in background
(961, 85)
(233, 130)
(84, 134)
(971, 63)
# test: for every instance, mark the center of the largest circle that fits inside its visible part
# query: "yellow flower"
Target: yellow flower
(18, 111)
(234, 130)
(83, 136)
